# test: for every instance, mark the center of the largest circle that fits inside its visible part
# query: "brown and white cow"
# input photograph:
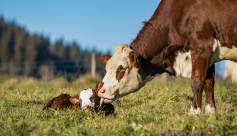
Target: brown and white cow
(183, 38)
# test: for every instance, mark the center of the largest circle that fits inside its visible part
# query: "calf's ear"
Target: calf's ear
(74, 100)
(105, 58)
(98, 86)
(134, 59)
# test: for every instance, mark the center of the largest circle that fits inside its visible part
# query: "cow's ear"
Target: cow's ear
(74, 100)
(105, 58)
(134, 59)
(98, 87)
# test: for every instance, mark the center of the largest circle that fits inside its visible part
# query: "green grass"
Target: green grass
(158, 107)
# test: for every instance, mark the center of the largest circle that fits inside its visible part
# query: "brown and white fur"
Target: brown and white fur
(183, 38)
(64, 102)
(87, 99)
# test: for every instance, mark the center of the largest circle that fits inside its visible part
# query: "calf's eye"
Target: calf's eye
(80, 102)
(92, 98)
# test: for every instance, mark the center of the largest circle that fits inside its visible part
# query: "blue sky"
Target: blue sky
(96, 24)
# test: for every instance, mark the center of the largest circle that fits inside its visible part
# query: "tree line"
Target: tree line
(22, 53)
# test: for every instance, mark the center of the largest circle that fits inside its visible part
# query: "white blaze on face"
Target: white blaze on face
(131, 80)
(85, 97)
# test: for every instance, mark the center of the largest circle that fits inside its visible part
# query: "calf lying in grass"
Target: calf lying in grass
(63, 102)
(87, 99)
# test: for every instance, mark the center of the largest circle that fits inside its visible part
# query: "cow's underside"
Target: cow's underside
(183, 61)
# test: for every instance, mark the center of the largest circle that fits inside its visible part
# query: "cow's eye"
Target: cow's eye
(123, 69)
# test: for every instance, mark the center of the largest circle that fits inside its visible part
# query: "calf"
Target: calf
(87, 99)
(64, 102)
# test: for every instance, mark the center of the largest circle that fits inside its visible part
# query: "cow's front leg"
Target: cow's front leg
(197, 88)
(200, 64)
(209, 90)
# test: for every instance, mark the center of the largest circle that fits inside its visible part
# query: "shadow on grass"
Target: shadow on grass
(34, 102)
(190, 98)
(177, 133)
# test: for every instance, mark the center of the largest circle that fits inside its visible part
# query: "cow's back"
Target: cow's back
(204, 20)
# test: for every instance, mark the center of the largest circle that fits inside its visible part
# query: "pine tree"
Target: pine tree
(19, 49)
(75, 53)
(86, 60)
(30, 56)
(58, 49)
(66, 55)
(2, 26)
(7, 45)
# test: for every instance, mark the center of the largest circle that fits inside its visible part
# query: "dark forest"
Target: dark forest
(22, 53)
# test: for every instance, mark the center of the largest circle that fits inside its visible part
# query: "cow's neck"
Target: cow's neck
(151, 44)
(152, 37)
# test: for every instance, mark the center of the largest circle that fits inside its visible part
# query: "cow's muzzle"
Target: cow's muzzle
(104, 100)
(102, 94)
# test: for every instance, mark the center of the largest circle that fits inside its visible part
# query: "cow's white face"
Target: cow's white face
(122, 75)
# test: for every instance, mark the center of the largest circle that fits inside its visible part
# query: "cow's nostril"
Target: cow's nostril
(102, 90)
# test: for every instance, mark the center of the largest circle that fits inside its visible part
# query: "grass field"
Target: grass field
(158, 108)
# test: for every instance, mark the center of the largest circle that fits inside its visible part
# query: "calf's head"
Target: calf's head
(88, 99)
(122, 75)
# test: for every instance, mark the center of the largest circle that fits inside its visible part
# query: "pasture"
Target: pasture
(159, 108)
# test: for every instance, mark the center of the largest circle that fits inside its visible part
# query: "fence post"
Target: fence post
(93, 65)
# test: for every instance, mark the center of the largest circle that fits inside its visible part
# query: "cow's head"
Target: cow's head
(122, 75)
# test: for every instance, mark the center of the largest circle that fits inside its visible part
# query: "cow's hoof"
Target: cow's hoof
(209, 109)
(195, 112)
